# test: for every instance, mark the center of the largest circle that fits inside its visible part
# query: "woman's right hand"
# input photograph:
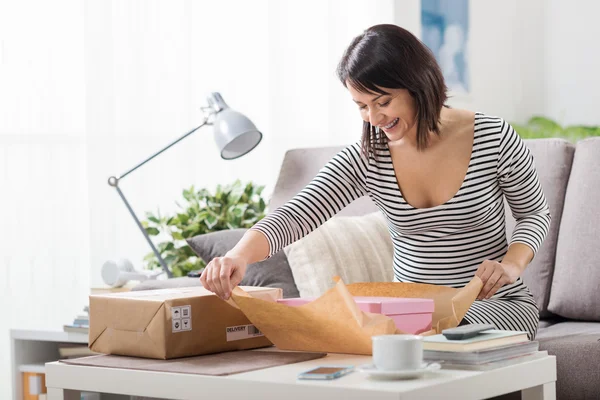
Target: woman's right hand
(223, 274)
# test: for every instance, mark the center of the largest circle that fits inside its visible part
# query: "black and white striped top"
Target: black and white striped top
(444, 244)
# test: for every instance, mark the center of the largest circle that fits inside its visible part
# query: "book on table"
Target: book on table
(505, 362)
(76, 328)
(482, 356)
(485, 340)
(81, 322)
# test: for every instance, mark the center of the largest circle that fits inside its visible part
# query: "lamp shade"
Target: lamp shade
(235, 134)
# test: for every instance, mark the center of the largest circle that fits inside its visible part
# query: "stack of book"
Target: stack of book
(74, 350)
(488, 350)
(81, 323)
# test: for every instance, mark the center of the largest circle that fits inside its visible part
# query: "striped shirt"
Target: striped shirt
(444, 244)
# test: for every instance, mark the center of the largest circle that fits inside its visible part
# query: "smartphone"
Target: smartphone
(326, 372)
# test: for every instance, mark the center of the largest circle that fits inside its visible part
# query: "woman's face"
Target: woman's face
(394, 113)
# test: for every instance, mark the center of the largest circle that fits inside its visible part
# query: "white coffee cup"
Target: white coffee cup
(397, 352)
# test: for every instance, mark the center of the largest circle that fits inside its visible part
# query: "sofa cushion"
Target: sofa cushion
(576, 365)
(357, 249)
(567, 328)
(553, 159)
(575, 289)
(273, 272)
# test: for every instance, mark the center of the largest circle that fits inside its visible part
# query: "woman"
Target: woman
(438, 174)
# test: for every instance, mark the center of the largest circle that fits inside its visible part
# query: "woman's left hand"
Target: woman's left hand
(494, 275)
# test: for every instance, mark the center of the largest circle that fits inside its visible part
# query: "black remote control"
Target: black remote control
(466, 331)
(195, 274)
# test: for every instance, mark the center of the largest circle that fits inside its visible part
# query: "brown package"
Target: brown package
(171, 323)
(333, 323)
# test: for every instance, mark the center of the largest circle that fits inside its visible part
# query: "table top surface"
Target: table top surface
(512, 378)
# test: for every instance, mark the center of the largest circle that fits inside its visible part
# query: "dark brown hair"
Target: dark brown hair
(387, 56)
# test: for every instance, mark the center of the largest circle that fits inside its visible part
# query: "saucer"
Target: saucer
(373, 372)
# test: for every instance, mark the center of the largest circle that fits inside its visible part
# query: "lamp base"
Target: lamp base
(118, 273)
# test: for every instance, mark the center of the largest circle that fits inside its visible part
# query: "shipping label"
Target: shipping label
(242, 332)
(181, 318)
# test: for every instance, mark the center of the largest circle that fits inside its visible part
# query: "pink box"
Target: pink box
(410, 315)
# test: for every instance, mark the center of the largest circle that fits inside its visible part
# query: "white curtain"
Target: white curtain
(44, 208)
(149, 67)
(89, 89)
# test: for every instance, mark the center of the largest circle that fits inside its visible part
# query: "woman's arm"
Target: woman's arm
(520, 185)
(518, 257)
(252, 247)
(341, 181)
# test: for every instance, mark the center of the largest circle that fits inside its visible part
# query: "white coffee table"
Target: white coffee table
(536, 379)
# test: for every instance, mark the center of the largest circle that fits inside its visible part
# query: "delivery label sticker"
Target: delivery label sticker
(176, 325)
(242, 332)
(176, 312)
(186, 311)
(181, 318)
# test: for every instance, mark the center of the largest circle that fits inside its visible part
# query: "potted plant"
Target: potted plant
(232, 206)
(542, 127)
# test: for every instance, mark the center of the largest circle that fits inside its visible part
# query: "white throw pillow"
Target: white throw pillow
(357, 249)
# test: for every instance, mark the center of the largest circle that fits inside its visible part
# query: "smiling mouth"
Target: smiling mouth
(391, 124)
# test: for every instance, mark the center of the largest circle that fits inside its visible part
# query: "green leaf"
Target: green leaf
(214, 205)
(152, 231)
(153, 219)
(203, 193)
(544, 124)
(173, 221)
(202, 215)
(165, 246)
(183, 218)
(238, 210)
(249, 189)
(187, 195)
(578, 132)
(210, 221)
(237, 190)
(236, 221)
(187, 251)
(177, 236)
(170, 259)
(194, 227)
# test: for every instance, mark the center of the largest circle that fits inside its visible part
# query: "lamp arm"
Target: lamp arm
(114, 181)
(205, 122)
(139, 224)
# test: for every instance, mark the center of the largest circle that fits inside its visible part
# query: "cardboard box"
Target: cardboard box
(171, 323)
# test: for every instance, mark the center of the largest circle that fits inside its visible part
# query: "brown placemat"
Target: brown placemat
(232, 362)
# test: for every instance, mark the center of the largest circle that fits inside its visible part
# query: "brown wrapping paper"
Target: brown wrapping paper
(333, 323)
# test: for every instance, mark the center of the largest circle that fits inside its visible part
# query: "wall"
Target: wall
(506, 55)
(572, 61)
(532, 57)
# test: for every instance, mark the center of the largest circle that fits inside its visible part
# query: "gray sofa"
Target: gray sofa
(565, 274)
